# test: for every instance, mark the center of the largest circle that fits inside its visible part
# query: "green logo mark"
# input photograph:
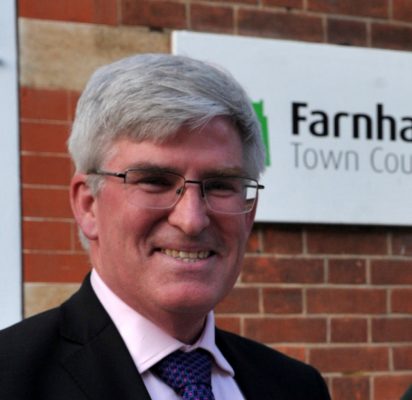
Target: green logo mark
(258, 107)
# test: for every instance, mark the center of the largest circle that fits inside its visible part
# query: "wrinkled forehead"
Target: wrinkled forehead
(214, 145)
(218, 130)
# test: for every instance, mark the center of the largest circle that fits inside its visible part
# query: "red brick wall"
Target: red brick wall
(337, 297)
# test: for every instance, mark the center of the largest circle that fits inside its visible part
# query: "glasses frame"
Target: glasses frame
(181, 190)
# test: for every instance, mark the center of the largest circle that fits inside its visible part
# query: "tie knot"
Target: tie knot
(189, 374)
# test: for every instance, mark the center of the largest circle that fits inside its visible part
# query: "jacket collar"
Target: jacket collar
(95, 355)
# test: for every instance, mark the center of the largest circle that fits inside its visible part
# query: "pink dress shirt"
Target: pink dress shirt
(148, 344)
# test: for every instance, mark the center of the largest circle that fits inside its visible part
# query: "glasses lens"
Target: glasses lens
(161, 190)
(151, 189)
(230, 195)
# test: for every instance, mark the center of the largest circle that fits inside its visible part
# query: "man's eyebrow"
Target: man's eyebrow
(234, 171)
(151, 167)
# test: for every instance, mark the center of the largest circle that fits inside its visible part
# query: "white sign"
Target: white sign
(339, 126)
(10, 244)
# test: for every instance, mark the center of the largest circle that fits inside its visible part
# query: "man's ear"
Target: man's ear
(83, 204)
(250, 218)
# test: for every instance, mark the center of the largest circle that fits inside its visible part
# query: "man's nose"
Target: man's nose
(190, 214)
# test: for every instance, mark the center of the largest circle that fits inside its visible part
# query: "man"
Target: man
(408, 394)
(167, 153)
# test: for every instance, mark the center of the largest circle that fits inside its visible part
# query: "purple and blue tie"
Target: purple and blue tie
(189, 374)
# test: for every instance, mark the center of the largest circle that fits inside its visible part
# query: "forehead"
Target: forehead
(217, 143)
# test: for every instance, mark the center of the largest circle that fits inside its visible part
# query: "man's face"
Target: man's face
(141, 253)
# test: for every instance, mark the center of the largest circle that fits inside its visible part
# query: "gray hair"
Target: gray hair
(149, 97)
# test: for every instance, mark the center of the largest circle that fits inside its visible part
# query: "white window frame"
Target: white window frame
(10, 204)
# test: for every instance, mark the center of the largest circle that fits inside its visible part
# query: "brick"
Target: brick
(298, 353)
(46, 235)
(39, 297)
(64, 55)
(401, 301)
(402, 10)
(402, 242)
(346, 32)
(391, 272)
(278, 270)
(51, 267)
(391, 387)
(231, 324)
(329, 240)
(350, 388)
(46, 170)
(348, 271)
(279, 25)
(154, 13)
(240, 300)
(392, 329)
(44, 104)
(391, 36)
(95, 11)
(235, 2)
(253, 244)
(349, 330)
(347, 360)
(365, 8)
(284, 3)
(282, 301)
(283, 239)
(286, 330)
(46, 203)
(44, 136)
(212, 19)
(402, 358)
(354, 301)
(73, 99)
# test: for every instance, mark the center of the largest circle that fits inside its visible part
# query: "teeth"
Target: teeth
(186, 255)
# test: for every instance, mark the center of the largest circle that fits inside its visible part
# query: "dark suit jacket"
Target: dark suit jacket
(74, 352)
(408, 394)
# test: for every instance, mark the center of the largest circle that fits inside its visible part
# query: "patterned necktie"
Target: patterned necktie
(189, 374)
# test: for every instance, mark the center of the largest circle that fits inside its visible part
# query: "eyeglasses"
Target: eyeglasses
(152, 189)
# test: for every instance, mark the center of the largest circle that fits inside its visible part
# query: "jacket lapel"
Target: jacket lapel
(94, 353)
(252, 381)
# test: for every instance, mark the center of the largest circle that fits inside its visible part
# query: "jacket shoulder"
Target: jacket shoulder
(33, 354)
(283, 377)
(29, 342)
(30, 330)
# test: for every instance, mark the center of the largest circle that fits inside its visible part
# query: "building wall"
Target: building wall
(337, 297)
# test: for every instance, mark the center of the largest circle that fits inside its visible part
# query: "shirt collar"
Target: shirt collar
(146, 342)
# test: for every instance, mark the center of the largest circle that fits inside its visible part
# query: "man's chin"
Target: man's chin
(195, 304)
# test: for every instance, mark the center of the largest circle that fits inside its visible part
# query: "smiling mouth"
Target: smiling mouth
(188, 256)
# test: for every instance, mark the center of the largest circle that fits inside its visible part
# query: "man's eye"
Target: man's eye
(221, 186)
(155, 181)
(152, 182)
